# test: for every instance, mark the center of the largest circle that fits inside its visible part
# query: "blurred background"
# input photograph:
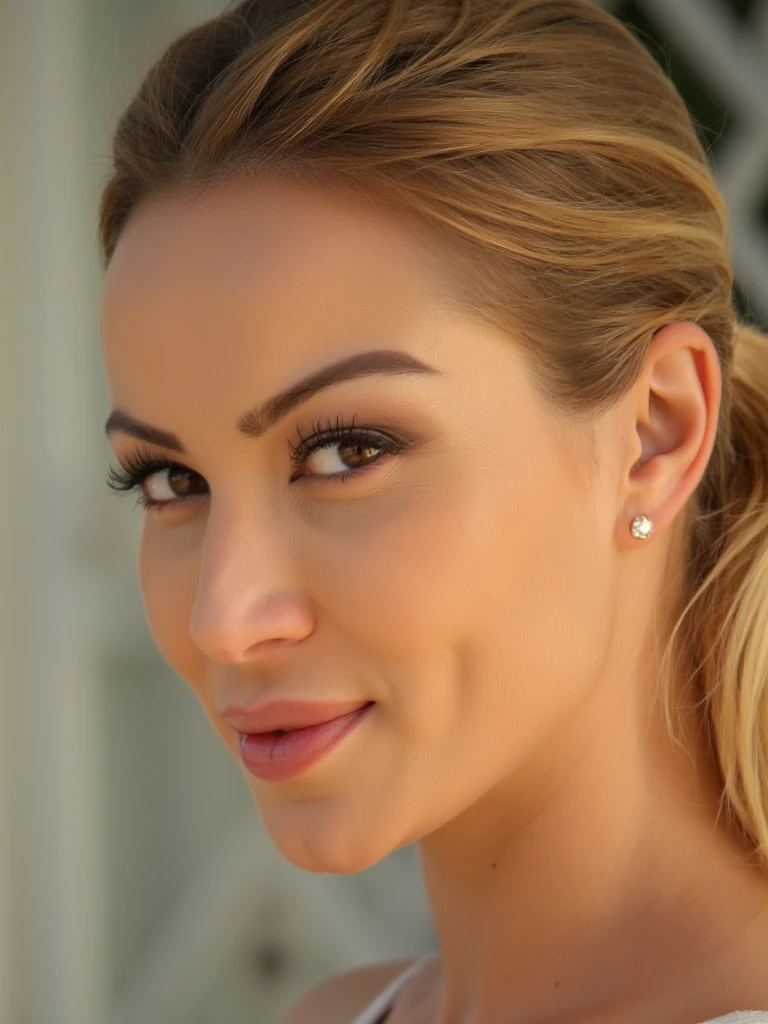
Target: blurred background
(137, 885)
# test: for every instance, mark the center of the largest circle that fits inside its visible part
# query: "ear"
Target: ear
(676, 402)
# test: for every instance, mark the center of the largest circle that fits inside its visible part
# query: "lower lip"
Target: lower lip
(278, 756)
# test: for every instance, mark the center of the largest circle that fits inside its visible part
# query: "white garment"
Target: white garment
(374, 1012)
(382, 1004)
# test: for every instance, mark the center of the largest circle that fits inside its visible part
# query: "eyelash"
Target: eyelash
(141, 465)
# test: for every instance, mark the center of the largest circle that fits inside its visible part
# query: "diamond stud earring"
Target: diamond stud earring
(642, 527)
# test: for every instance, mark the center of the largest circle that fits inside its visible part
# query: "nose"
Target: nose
(248, 598)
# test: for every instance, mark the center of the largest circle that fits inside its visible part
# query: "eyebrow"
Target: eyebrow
(256, 421)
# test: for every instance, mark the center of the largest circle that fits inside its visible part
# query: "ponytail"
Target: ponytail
(724, 626)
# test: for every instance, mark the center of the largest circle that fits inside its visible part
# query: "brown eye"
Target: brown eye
(148, 476)
(180, 482)
(336, 457)
(339, 452)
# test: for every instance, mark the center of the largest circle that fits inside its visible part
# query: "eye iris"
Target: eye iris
(174, 475)
(360, 453)
(167, 479)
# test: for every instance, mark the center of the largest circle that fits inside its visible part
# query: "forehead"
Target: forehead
(261, 264)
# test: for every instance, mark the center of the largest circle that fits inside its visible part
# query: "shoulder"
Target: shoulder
(339, 999)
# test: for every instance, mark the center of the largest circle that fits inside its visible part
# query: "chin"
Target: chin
(324, 847)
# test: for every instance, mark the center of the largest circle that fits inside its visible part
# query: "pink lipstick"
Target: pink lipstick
(276, 754)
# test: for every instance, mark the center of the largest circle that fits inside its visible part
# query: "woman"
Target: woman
(419, 335)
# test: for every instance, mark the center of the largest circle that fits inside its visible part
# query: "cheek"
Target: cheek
(437, 564)
(168, 573)
(550, 607)
(391, 574)
(490, 587)
(539, 600)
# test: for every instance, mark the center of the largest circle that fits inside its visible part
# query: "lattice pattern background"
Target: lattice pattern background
(717, 54)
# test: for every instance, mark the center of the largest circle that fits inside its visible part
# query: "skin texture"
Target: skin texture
(480, 587)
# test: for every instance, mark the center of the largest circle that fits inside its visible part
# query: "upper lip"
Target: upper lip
(286, 714)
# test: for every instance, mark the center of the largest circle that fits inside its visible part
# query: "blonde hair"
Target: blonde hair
(560, 168)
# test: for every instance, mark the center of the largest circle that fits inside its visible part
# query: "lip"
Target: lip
(274, 756)
(286, 714)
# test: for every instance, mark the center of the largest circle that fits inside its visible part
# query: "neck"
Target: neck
(595, 881)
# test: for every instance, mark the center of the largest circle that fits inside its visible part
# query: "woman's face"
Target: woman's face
(459, 575)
